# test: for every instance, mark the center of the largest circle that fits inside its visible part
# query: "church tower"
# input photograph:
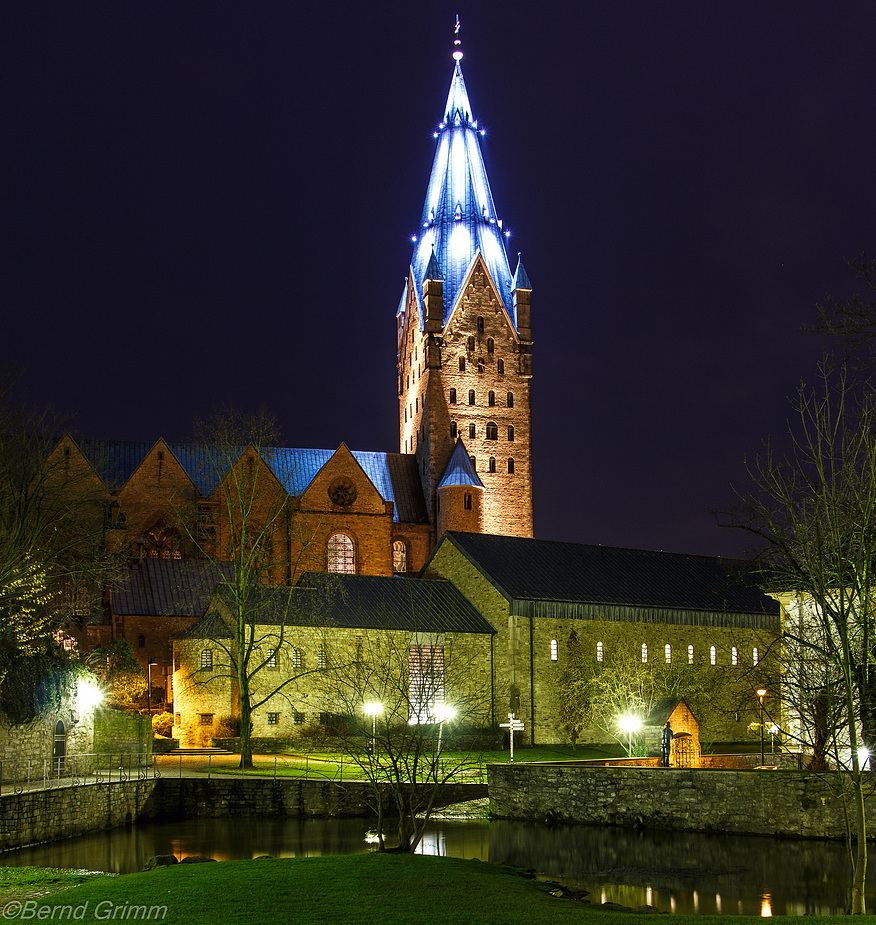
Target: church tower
(464, 340)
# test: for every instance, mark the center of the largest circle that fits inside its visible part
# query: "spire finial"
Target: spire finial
(457, 54)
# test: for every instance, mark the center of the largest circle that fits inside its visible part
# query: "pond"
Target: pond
(674, 871)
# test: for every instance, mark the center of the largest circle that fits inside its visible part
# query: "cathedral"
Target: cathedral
(453, 507)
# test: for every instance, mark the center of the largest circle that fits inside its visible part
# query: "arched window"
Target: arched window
(492, 464)
(471, 459)
(399, 557)
(510, 432)
(480, 325)
(510, 399)
(644, 652)
(297, 658)
(453, 430)
(491, 344)
(341, 554)
(668, 652)
(480, 367)
(471, 342)
(453, 396)
(491, 399)
(206, 658)
(755, 656)
(471, 432)
(734, 656)
(690, 658)
(492, 431)
(471, 396)
(713, 655)
(600, 652)
(462, 364)
(500, 367)
(510, 466)
(466, 501)
(555, 650)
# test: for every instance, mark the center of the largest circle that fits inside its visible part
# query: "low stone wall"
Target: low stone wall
(47, 815)
(798, 804)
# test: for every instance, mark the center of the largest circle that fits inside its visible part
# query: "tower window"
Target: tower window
(480, 325)
(471, 396)
(453, 396)
(471, 432)
(406, 415)
(480, 367)
(491, 399)
(511, 467)
(471, 342)
(471, 459)
(453, 430)
(510, 399)
(500, 367)
(399, 557)
(492, 431)
(511, 432)
(555, 650)
(462, 364)
(417, 405)
(491, 345)
(341, 554)
(492, 464)
(466, 501)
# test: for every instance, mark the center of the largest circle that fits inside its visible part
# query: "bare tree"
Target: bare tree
(405, 699)
(853, 320)
(813, 509)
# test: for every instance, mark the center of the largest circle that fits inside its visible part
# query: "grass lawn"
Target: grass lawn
(373, 888)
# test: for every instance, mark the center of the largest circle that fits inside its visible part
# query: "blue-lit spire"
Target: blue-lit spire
(459, 218)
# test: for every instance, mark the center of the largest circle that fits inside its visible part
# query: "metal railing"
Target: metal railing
(18, 776)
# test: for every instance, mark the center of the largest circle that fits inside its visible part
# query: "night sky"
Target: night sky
(213, 201)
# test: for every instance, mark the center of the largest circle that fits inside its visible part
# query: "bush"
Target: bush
(162, 724)
(228, 727)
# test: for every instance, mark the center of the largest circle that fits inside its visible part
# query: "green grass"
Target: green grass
(372, 888)
(36, 879)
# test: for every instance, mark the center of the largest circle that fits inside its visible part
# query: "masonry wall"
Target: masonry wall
(798, 804)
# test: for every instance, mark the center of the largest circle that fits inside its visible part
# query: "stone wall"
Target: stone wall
(117, 732)
(46, 815)
(797, 804)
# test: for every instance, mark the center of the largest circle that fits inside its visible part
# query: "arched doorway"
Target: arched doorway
(59, 746)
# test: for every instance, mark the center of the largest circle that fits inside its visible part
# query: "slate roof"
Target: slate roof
(394, 475)
(167, 587)
(370, 602)
(459, 469)
(588, 578)
(210, 626)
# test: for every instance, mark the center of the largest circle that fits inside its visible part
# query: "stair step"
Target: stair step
(195, 752)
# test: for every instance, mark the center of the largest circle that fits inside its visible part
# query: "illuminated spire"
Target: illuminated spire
(459, 218)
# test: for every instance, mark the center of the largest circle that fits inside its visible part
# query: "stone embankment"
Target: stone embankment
(798, 804)
(35, 816)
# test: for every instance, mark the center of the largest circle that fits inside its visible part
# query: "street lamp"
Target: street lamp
(149, 665)
(761, 693)
(373, 710)
(442, 714)
(629, 725)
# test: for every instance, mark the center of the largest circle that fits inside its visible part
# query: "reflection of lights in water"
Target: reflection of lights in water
(696, 901)
(603, 898)
(371, 838)
(766, 908)
(649, 896)
(718, 901)
(433, 843)
(672, 903)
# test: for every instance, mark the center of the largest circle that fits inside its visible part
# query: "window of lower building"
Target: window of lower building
(322, 658)
(325, 719)
(298, 718)
(273, 719)
(425, 682)
(755, 656)
(206, 719)
(297, 658)
(734, 656)
(713, 655)
(690, 655)
(177, 719)
(600, 652)
(206, 658)
(644, 652)
(555, 650)
(272, 658)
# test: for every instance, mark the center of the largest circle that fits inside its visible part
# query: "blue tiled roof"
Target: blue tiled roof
(521, 280)
(459, 470)
(394, 475)
(459, 218)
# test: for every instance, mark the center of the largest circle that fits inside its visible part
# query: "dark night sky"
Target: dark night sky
(204, 201)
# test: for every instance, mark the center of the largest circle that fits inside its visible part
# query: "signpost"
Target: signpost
(513, 725)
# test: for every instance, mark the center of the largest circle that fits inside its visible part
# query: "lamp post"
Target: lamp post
(442, 714)
(372, 710)
(629, 725)
(761, 693)
(149, 665)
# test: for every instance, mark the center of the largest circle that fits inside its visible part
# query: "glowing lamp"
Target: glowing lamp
(88, 695)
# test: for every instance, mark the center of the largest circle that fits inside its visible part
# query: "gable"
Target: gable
(479, 294)
(342, 486)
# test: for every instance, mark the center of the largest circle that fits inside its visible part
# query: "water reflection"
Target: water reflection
(674, 871)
